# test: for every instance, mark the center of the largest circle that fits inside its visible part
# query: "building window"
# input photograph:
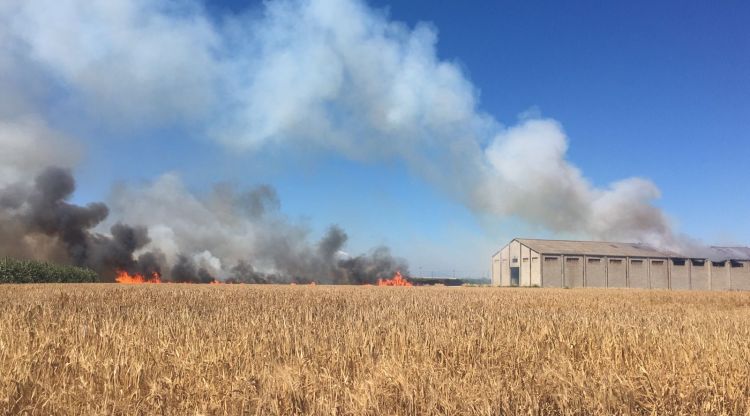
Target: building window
(572, 260)
(594, 260)
(678, 262)
(697, 262)
(615, 261)
(550, 258)
(718, 263)
(657, 262)
(634, 261)
(737, 264)
(515, 260)
(525, 259)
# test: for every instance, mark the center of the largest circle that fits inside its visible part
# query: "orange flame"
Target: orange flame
(396, 280)
(125, 277)
(216, 282)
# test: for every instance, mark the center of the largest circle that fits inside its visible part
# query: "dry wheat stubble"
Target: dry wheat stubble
(241, 349)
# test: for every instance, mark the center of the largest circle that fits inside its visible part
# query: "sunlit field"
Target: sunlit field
(241, 349)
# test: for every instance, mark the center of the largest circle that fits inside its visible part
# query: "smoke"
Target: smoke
(37, 221)
(343, 77)
(28, 145)
(241, 236)
(530, 177)
(226, 236)
(334, 75)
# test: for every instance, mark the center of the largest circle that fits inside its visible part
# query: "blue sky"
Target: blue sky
(654, 90)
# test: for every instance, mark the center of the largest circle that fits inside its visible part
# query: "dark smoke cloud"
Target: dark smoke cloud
(185, 271)
(243, 272)
(380, 264)
(49, 213)
(45, 225)
(260, 200)
(243, 229)
(327, 262)
(151, 262)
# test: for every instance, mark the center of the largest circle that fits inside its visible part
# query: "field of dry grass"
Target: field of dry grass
(192, 349)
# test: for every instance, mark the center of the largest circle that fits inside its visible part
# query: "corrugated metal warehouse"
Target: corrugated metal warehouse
(563, 263)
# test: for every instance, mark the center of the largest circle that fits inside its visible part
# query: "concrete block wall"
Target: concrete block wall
(719, 272)
(658, 272)
(700, 274)
(596, 271)
(552, 275)
(638, 273)
(739, 275)
(617, 272)
(679, 274)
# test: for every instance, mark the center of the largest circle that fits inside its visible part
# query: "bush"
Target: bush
(31, 271)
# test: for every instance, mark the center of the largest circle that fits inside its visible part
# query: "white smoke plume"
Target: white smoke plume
(28, 146)
(334, 75)
(227, 229)
(530, 177)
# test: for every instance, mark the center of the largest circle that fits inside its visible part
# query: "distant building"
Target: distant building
(562, 263)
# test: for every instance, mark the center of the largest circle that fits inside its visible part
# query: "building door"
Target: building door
(514, 273)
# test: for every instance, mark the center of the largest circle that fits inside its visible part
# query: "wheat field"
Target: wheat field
(241, 349)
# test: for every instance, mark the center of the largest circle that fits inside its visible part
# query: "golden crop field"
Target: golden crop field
(237, 349)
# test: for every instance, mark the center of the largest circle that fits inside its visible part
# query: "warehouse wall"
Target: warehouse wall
(536, 269)
(596, 272)
(699, 275)
(679, 274)
(573, 271)
(552, 271)
(525, 266)
(514, 260)
(720, 276)
(495, 268)
(638, 273)
(740, 275)
(505, 266)
(659, 274)
(617, 272)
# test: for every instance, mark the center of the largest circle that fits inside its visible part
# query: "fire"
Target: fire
(125, 277)
(216, 282)
(396, 280)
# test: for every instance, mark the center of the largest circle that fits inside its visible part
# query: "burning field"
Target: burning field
(137, 278)
(284, 349)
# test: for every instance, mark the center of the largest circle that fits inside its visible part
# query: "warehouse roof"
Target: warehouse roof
(728, 253)
(606, 248)
(593, 248)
